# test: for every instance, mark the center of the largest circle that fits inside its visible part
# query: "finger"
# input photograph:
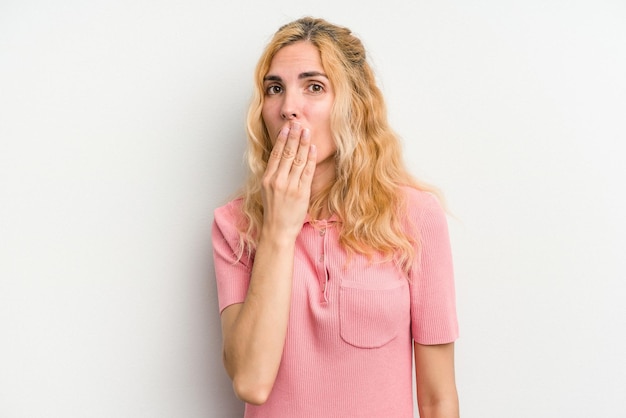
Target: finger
(277, 152)
(290, 149)
(309, 169)
(302, 154)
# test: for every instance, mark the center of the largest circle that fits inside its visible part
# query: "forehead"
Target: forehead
(299, 57)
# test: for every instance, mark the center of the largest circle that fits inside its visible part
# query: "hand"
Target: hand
(287, 181)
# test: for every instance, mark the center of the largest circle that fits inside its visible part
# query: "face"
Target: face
(297, 89)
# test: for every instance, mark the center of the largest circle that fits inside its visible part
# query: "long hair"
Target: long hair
(370, 171)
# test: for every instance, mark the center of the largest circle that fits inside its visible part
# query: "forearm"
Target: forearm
(436, 384)
(254, 341)
(255, 331)
(445, 408)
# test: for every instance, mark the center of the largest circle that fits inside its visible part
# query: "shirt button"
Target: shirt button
(322, 232)
(321, 258)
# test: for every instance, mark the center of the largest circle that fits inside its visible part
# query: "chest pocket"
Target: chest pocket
(371, 315)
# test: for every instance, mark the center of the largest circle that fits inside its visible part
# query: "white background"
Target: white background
(121, 129)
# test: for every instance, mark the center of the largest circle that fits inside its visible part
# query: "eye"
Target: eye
(273, 89)
(316, 88)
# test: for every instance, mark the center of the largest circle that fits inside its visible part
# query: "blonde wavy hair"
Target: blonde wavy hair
(365, 195)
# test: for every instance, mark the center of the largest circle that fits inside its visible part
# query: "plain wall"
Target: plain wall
(121, 129)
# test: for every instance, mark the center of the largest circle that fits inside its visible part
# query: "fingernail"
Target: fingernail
(295, 125)
(306, 133)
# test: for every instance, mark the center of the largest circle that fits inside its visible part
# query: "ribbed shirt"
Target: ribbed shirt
(352, 322)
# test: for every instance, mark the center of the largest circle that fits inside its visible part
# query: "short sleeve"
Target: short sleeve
(232, 275)
(433, 299)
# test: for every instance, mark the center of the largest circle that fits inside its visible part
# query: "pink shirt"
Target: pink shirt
(348, 351)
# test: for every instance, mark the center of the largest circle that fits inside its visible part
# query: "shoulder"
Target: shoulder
(227, 221)
(230, 212)
(420, 202)
(423, 214)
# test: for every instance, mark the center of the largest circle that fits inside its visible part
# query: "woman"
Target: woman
(334, 263)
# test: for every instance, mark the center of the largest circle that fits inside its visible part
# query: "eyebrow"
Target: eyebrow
(307, 74)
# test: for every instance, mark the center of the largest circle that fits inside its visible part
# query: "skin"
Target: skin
(436, 386)
(254, 331)
(297, 110)
(298, 93)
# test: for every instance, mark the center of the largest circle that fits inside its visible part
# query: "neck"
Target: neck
(323, 178)
(325, 174)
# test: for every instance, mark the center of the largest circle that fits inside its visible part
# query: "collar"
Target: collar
(321, 222)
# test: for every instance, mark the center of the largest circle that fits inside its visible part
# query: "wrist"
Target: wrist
(277, 237)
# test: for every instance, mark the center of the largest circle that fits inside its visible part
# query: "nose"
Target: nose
(290, 108)
(288, 116)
